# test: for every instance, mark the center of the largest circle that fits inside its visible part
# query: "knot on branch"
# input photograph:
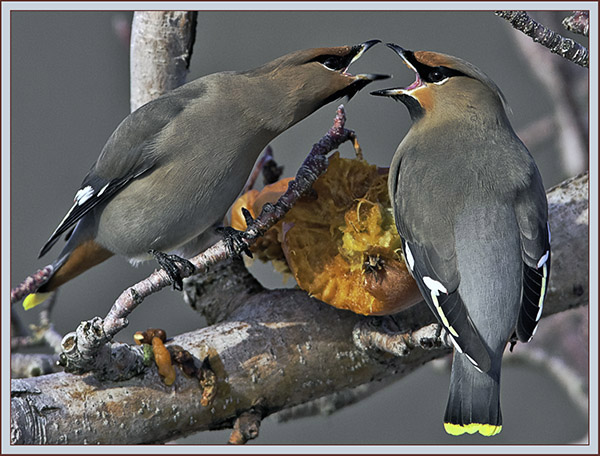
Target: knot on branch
(247, 424)
(87, 350)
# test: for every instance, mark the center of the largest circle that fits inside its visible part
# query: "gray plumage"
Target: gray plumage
(470, 207)
(173, 167)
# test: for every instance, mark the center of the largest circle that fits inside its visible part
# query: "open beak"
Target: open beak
(369, 77)
(394, 92)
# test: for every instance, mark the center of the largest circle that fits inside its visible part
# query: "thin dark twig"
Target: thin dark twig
(271, 171)
(565, 47)
(578, 22)
(266, 156)
(30, 284)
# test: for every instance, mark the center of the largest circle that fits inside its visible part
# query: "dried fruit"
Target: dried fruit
(162, 358)
(342, 246)
(145, 337)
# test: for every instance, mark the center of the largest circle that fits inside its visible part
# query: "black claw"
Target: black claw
(235, 241)
(247, 216)
(174, 266)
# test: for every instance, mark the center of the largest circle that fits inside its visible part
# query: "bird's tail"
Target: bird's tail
(474, 400)
(69, 265)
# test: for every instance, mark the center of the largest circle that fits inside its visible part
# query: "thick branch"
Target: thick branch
(565, 47)
(278, 345)
(161, 49)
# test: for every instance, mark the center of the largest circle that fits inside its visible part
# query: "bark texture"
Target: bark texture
(279, 348)
(161, 49)
(565, 47)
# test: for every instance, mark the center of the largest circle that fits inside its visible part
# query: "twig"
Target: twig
(562, 81)
(264, 165)
(42, 333)
(565, 47)
(578, 22)
(271, 171)
(92, 335)
(313, 166)
(30, 284)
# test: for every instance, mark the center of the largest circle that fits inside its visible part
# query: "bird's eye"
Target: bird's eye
(333, 63)
(436, 76)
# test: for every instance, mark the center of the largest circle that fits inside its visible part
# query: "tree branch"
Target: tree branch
(578, 22)
(565, 47)
(278, 346)
(30, 284)
(161, 49)
(562, 82)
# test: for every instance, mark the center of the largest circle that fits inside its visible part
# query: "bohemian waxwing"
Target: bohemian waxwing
(173, 167)
(471, 209)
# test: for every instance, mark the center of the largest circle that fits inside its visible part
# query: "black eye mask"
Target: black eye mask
(431, 74)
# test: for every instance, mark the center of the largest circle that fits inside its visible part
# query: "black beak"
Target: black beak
(364, 79)
(399, 50)
(369, 44)
(405, 56)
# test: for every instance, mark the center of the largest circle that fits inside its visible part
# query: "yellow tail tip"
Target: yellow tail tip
(484, 429)
(35, 299)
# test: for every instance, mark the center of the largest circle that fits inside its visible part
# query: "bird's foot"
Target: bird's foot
(430, 337)
(174, 266)
(235, 241)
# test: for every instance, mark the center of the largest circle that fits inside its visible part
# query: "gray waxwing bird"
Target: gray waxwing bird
(470, 207)
(173, 167)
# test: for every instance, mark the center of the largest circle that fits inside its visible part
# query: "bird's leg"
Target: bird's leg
(174, 266)
(236, 240)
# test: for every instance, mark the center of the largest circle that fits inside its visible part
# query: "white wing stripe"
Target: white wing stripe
(83, 195)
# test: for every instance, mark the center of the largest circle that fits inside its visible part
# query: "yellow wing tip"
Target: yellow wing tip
(35, 299)
(484, 429)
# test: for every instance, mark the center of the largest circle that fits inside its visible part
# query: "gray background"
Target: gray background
(69, 90)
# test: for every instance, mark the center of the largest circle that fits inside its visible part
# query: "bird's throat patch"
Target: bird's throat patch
(423, 95)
